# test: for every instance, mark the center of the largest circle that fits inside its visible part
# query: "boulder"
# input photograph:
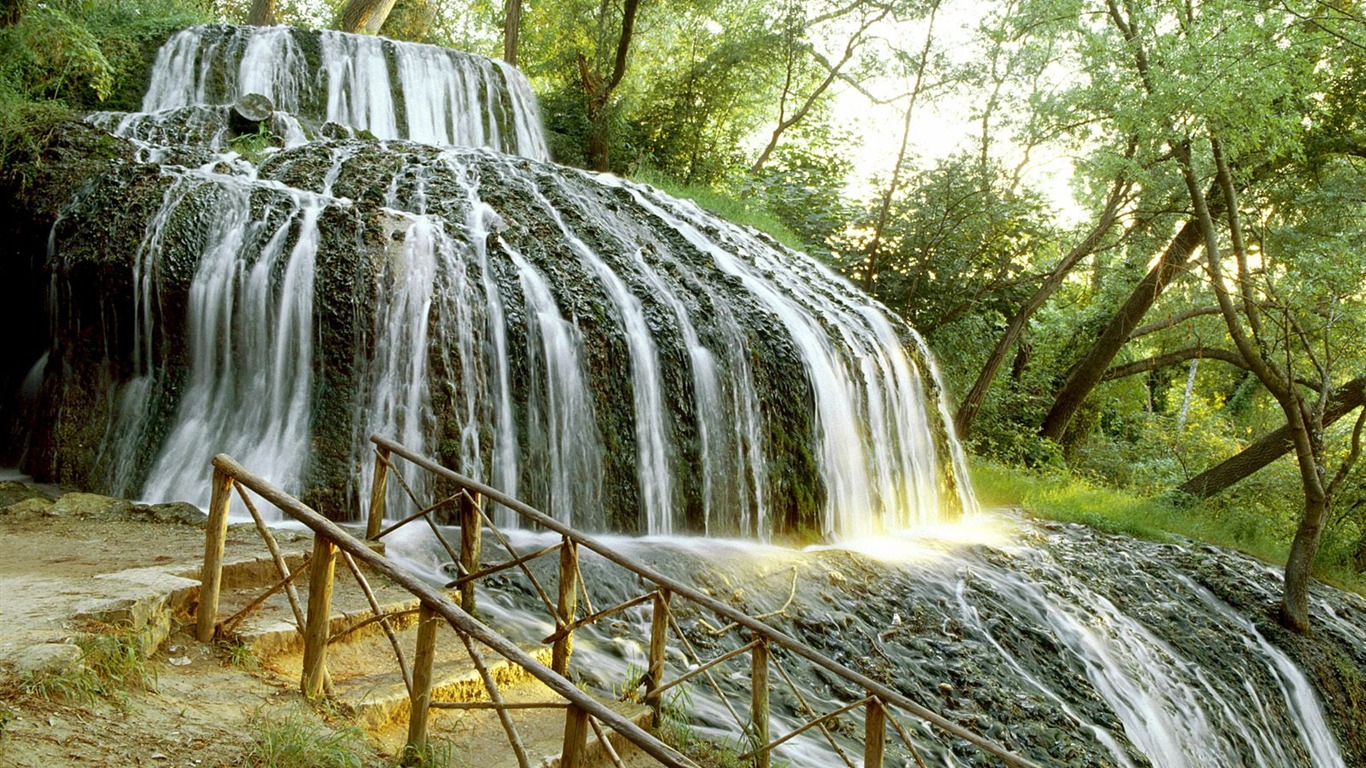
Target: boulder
(47, 660)
(28, 509)
(84, 506)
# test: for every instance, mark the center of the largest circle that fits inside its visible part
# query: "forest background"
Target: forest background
(1133, 233)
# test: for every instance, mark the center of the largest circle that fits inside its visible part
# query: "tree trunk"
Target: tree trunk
(365, 16)
(599, 139)
(262, 13)
(971, 404)
(410, 20)
(599, 92)
(512, 30)
(1300, 565)
(1271, 446)
(1091, 370)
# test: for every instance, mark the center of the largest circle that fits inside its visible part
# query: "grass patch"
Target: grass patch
(239, 656)
(296, 740)
(731, 207)
(1069, 499)
(112, 663)
(675, 729)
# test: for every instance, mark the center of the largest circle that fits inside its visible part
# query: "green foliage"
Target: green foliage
(239, 655)
(296, 740)
(432, 753)
(66, 56)
(732, 207)
(960, 237)
(675, 729)
(1257, 518)
(255, 147)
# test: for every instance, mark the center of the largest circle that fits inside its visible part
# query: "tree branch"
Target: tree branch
(1175, 358)
(1172, 321)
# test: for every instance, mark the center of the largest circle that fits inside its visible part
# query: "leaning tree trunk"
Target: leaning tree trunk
(1272, 445)
(1084, 377)
(971, 404)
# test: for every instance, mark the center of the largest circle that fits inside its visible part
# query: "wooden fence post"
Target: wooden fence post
(758, 712)
(379, 490)
(659, 644)
(319, 620)
(421, 699)
(471, 544)
(568, 602)
(575, 738)
(874, 734)
(215, 538)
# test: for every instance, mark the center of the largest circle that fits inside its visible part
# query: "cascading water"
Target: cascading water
(427, 94)
(1069, 646)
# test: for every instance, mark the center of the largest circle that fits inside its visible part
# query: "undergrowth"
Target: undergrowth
(295, 740)
(1057, 495)
(64, 57)
(675, 729)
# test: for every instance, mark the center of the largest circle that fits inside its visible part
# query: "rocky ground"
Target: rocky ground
(78, 687)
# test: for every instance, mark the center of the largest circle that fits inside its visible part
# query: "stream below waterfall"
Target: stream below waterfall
(1070, 646)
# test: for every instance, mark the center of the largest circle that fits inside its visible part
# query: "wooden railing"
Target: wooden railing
(880, 703)
(582, 711)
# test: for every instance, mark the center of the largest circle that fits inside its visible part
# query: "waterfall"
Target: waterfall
(404, 261)
(391, 90)
(614, 356)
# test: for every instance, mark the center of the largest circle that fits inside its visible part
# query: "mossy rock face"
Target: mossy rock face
(608, 262)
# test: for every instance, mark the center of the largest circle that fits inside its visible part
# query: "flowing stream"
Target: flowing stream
(1067, 645)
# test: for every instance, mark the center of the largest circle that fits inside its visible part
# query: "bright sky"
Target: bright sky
(943, 122)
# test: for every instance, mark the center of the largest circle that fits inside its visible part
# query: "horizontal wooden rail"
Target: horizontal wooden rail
(500, 567)
(775, 636)
(499, 705)
(695, 671)
(462, 622)
(595, 617)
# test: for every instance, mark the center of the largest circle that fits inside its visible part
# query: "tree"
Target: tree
(262, 13)
(512, 30)
(598, 84)
(365, 16)
(885, 208)
(1342, 401)
(793, 107)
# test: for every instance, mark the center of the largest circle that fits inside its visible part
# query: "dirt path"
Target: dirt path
(83, 555)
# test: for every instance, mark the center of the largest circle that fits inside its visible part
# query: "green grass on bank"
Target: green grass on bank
(731, 207)
(1069, 499)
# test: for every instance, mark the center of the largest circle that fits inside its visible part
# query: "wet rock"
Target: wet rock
(177, 512)
(250, 113)
(12, 491)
